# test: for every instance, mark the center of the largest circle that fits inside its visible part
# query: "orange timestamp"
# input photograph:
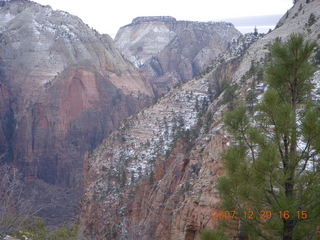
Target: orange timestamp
(262, 215)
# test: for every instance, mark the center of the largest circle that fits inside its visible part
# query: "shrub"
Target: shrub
(312, 19)
(213, 235)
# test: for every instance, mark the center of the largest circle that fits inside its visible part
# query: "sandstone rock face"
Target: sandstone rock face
(170, 51)
(149, 180)
(144, 172)
(63, 87)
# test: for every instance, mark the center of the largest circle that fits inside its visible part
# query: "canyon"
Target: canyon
(154, 177)
(124, 136)
(64, 87)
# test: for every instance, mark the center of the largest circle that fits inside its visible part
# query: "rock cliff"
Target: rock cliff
(63, 87)
(154, 178)
(170, 51)
(145, 170)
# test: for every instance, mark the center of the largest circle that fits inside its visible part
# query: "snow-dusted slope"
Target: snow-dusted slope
(174, 191)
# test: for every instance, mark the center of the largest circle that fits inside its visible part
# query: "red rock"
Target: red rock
(63, 87)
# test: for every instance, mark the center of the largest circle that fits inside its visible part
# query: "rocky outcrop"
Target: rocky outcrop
(154, 178)
(63, 87)
(170, 51)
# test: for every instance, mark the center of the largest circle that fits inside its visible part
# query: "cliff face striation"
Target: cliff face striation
(154, 178)
(63, 87)
(170, 51)
(144, 172)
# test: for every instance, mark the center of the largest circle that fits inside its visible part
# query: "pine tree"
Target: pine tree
(255, 31)
(123, 178)
(151, 178)
(273, 171)
(251, 98)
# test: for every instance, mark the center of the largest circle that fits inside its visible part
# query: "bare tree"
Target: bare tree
(14, 208)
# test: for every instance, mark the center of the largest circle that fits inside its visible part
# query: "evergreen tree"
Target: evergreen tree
(229, 95)
(273, 171)
(317, 57)
(255, 31)
(132, 178)
(197, 108)
(311, 20)
(123, 178)
(210, 93)
(151, 178)
(180, 126)
(251, 98)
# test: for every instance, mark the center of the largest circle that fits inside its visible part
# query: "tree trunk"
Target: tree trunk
(288, 226)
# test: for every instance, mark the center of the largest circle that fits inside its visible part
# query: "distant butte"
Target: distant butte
(153, 19)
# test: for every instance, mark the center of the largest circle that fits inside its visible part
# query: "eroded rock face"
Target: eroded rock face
(140, 176)
(63, 87)
(6, 122)
(141, 186)
(170, 51)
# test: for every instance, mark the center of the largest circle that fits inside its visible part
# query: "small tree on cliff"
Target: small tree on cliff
(273, 171)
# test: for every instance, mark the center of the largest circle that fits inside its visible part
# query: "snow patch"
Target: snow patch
(5, 18)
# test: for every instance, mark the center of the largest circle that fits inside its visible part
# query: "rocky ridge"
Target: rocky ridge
(170, 51)
(173, 193)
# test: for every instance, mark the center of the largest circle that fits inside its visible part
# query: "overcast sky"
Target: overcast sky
(107, 16)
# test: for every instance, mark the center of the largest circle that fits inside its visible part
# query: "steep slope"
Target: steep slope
(63, 88)
(149, 181)
(170, 51)
(150, 154)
